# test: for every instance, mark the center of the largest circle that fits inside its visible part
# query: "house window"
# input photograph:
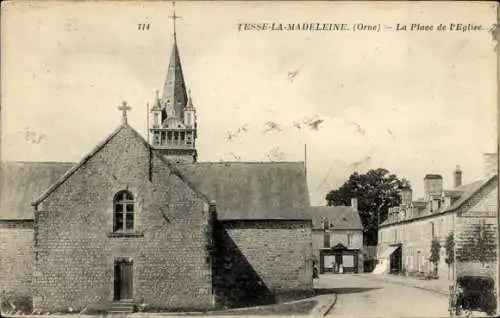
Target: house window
(124, 208)
(326, 240)
(349, 239)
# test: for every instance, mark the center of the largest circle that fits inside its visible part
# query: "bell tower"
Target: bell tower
(173, 124)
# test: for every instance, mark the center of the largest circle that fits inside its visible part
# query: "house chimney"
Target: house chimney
(354, 204)
(433, 184)
(490, 164)
(406, 196)
(457, 177)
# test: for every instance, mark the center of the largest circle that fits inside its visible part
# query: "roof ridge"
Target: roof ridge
(181, 175)
(102, 145)
(330, 206)
(485, 183)
(38, 162)
(172, 167)
(238, 162)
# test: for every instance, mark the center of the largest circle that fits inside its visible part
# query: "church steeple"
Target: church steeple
(174, 90)
(173, 127)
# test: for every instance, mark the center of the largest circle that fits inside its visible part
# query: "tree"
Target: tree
(434, 258)
(478, 244)
(376, 191)
(450, 251)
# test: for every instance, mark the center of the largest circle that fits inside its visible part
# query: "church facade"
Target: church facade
(142, 225)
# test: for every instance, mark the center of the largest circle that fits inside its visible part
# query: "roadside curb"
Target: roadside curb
(437, 291)
(331, 305)
(324, 306)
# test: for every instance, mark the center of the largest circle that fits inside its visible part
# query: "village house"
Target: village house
(468, 212)
(142, 224)
(337, 235)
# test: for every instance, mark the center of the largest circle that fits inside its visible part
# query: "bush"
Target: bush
(434, 258)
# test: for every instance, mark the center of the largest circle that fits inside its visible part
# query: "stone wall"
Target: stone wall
(262, 262)
(476, 232)
(16, 263)
(76, 248)
(415, 238)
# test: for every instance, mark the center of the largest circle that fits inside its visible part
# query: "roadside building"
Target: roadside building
(337, 238)
(405, 238)
(476, 226)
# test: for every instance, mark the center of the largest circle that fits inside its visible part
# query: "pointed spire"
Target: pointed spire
(156, 104)
(189, 101)
(174, 96)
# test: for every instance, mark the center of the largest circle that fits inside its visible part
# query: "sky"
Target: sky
(411, 102)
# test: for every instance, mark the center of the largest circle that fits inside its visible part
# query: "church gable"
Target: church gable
(121, 157)
(122, 202)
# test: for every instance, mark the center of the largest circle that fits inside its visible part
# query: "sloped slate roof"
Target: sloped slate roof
(124, 127)
(467, 192)
(241, 190)
(22, 182)
(252, 190)
(341, 217)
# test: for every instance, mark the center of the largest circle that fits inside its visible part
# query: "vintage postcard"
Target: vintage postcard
(261, 158)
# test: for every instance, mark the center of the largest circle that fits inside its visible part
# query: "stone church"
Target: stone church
(141, 224)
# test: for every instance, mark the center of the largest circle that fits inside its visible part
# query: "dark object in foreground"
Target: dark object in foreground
(475, 290)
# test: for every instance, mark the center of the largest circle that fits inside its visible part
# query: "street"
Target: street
(359, 295)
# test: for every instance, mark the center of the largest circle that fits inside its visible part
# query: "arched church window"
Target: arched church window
(124, 208)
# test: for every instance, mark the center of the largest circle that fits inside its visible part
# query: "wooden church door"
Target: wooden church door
(123, 280)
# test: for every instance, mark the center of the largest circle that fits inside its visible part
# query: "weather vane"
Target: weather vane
(174, 17)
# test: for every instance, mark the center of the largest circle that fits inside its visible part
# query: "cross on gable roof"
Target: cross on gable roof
(242, 190)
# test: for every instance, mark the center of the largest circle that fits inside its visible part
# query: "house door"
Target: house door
(338, 259)
(396, 261)
(123, 280)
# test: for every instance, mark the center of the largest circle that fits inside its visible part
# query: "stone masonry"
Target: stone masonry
(16, 261)
(415, 237)
(476, 232)
(263, 261)
(76, 249)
